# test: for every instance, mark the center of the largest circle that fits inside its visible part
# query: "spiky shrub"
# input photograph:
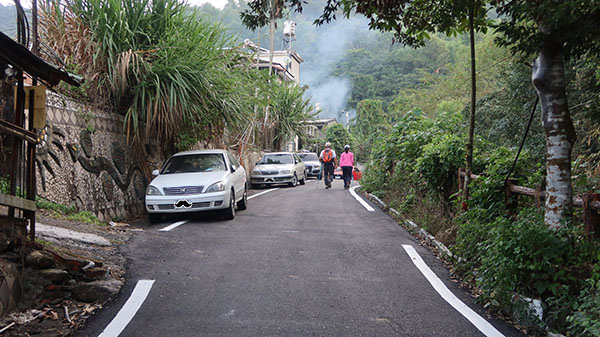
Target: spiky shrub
(165, 68)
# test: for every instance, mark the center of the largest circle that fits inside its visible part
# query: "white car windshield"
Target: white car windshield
(203, 162)
(277, 159)
(308, 156)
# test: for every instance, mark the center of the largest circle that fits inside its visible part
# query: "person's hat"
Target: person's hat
(346, 146)
(328, 144)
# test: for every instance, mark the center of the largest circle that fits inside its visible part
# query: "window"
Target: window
(308, 156)
(281, 158)
(203, 162)
(233, 160)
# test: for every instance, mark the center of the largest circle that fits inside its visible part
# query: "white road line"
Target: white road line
(479, 322)
(263, 192)
(175, 225)
(124, 316)
(362, 202)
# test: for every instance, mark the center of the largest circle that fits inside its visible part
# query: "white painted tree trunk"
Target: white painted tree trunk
(549, 80)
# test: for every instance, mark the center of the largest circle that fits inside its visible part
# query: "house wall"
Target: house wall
(83, 159)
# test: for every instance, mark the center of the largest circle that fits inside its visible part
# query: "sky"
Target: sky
(217, 3)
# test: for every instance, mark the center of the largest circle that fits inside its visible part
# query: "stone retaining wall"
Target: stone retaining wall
(83, 159)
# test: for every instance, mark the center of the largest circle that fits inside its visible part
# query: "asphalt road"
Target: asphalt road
(301, 261)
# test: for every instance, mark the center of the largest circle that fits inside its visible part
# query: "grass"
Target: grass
(68, 212)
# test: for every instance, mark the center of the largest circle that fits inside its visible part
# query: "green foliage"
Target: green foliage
(369, 122)
(4, 185)
(584, 321)
(338, 136)
(58, 208)
(289, 112)
(526, 257)
(440, 161)
(85, 216)
(67, 212)
(529, 26)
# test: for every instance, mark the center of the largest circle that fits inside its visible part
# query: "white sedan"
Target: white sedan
(278, 168)
(194, 181)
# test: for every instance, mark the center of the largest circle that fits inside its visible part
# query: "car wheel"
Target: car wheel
(303, 180)
(229, 213)
(294, 181)
(154, 218)
(243, 204)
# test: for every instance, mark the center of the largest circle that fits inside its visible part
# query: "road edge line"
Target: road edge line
(173, 226)
(361, 200)
(129, 309)
(263, 192)
(479, 322)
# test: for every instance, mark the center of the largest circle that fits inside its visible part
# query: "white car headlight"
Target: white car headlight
(216, 187)
(255, 173)
(285, 172)
(151, 190)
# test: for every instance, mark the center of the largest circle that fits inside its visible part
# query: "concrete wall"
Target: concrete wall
(83, 159)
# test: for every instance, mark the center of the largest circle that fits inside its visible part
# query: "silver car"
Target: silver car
(194, 181)
(312, 164)
(278, 168)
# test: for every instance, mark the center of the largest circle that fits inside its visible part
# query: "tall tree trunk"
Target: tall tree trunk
(469, 165)
(548, 77)
(271, 35)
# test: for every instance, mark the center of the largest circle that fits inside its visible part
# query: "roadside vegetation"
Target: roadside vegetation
(509, 257)
(178, 79)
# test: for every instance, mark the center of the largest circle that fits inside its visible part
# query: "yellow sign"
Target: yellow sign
(39, 104)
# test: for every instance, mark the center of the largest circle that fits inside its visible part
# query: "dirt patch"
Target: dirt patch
(65, 281)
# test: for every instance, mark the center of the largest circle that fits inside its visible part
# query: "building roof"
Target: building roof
(20, 57)
(323, 121)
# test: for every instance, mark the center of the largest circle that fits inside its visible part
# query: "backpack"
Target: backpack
(327, 156)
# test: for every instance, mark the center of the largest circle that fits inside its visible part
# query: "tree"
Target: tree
(338, 136)
(556, 31)
(290, 111)
(370, 121)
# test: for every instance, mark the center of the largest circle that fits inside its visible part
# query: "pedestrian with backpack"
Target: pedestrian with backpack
(329, 161)
(347, 164)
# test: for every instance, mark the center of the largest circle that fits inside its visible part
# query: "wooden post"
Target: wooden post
(591, 218)
(511, 199)
(538, 195)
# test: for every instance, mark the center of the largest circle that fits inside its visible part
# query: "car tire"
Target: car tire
(154, 218)
(243, 204)
(229, 213)
(294, 182)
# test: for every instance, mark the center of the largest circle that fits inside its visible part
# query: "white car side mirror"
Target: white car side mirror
(155, 173)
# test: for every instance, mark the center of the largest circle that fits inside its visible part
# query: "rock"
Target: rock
(56, 276)
(39, 260)
(5, 243)
(97, 291)
(95, 273)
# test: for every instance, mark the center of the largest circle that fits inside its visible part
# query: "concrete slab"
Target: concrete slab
(51, 232)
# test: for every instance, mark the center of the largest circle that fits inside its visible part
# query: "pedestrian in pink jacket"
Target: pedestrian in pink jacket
(347, 164)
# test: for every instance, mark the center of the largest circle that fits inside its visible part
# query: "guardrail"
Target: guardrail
(590, 202)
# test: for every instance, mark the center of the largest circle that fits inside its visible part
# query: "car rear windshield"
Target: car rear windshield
(203, 162)
(277, 159)
(308, 156)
